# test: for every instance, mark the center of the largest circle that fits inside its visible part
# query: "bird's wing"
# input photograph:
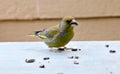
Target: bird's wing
(53, 31)
(48, 33)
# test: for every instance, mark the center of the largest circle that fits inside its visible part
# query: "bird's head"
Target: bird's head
(68, 22)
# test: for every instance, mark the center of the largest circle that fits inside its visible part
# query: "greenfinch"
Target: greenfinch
(58, 35)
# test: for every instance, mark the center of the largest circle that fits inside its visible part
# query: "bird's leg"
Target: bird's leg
(64, 48)
(54, 50)
(61, 48)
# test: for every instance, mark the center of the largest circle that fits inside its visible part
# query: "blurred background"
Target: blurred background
(99, 19)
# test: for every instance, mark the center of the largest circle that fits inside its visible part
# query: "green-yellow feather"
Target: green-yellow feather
(43, 37)
(63, 40)
(58, 37)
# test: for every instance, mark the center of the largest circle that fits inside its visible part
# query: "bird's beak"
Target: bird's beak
(74, 22)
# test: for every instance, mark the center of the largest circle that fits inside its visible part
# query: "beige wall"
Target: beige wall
(89, 29)
(99, 19)
(30, 9)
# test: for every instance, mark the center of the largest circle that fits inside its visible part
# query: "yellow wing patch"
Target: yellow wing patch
(43, 37)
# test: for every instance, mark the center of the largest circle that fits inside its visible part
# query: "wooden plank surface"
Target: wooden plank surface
(93, 58)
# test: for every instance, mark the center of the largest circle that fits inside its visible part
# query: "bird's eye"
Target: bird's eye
(68, 21)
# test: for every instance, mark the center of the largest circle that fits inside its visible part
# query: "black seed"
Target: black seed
(76, 62)
(79, 49)
(46, 58)
(76, 57)
(29, 60)
(107, 46)
(111, 72)
(112, 51)
(70, 57)
(42, 66)
(74, 49)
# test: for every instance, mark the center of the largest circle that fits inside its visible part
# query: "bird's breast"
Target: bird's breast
(61, 40)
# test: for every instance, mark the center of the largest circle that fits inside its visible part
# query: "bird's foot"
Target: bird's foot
(64, 48)
(56, 50)
(60, 49)
(72, 49)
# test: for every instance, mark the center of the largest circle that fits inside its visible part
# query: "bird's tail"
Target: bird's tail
(40, 34)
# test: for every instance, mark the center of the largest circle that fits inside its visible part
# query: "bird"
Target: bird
(58, 35)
